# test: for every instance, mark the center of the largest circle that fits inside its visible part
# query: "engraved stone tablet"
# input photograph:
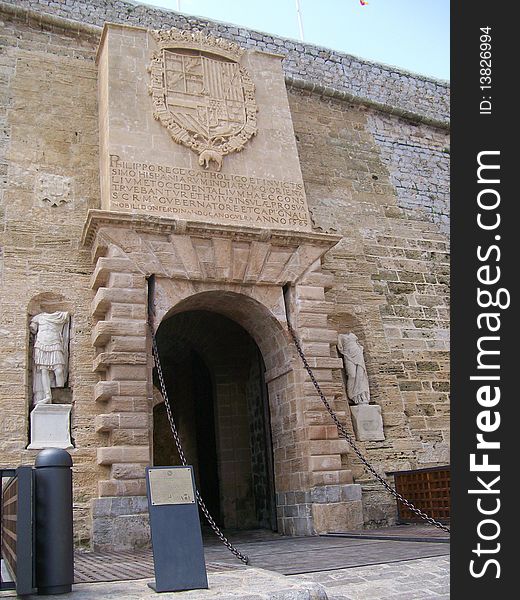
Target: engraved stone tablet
(196, 128)
(171, 486)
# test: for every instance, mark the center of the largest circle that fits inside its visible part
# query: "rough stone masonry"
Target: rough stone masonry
(372, 145)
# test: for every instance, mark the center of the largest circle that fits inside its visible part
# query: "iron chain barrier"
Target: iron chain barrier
(346, 435)
(211, 521)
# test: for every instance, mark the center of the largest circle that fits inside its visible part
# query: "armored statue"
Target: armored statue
(50, 357)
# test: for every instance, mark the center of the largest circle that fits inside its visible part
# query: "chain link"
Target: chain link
(346, 435)
(182, 456)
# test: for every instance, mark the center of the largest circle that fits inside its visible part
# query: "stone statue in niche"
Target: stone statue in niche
(358, 390)
(51, 354)
(366, 417)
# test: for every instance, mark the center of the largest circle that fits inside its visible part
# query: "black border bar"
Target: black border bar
(484, 247)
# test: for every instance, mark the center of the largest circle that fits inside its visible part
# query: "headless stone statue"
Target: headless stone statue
(366, 417)
(358, 390)
(50, 359)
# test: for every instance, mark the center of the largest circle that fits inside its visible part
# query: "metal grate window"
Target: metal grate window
(428, 489)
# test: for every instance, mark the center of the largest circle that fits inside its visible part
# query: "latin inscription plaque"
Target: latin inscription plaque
(171, 486)
(192, 194)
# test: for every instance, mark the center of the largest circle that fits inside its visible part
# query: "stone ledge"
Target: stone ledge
(105, 266)
(104, 390)
(123, 454)
(105, 359)
(106, 296)
(97, 218)
(183, 257)
(104, 330)
(110, 421)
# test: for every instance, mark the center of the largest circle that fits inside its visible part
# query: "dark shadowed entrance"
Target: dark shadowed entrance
(214, 373)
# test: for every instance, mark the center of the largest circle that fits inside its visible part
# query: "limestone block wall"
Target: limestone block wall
(373, 177)
(390, 273)
(418, 161)
(49, 164)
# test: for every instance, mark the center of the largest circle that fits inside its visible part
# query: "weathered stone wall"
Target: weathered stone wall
(399, 91)
(418, 160)
(50, 144)
(390, 270)
(377, 179)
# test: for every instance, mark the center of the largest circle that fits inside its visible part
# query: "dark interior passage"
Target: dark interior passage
(191, 400)
(214, 374)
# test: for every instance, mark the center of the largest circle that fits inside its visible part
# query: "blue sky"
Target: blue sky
(410, 34)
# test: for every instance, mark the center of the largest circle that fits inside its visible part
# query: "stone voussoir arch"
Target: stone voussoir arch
(267, 329)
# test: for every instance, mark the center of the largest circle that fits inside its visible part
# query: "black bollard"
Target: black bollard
(53, 514)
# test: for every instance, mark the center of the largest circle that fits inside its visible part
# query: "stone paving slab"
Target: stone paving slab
(241, 584)
(425, 579)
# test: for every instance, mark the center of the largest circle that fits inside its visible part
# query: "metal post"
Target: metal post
(54, 539)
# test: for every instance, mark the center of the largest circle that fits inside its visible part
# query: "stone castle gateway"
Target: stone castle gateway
(212, 176)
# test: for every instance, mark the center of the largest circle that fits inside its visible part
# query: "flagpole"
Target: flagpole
(300, 22)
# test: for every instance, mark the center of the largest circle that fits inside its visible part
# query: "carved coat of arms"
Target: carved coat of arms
(202, 94)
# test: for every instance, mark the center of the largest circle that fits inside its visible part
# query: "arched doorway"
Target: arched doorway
(214, 374)
(159, 268)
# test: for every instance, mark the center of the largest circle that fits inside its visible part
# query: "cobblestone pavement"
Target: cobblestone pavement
(240, 584)
(423, 579)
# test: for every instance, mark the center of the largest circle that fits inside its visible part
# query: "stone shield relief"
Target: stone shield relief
(202, 95)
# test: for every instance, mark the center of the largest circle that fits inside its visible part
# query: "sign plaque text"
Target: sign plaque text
(171, 486)
(178, 553)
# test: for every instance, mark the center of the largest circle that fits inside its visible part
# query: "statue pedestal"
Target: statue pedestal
(367, 421)
(50, 426)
